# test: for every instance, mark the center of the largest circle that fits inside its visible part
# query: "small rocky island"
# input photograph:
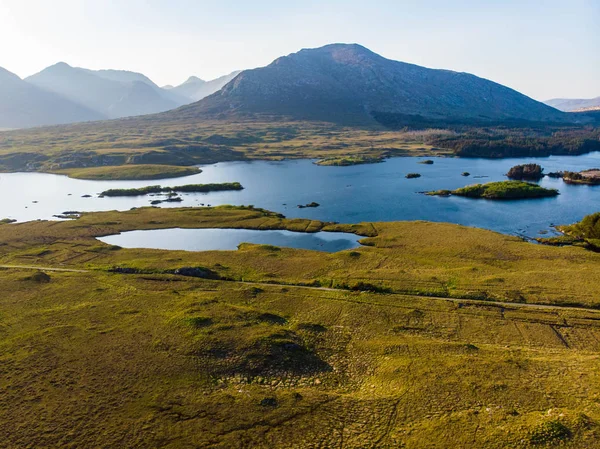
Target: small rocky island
(532, 172)
(413, 175)
(313, 204)
(502, 190)
(345, 161)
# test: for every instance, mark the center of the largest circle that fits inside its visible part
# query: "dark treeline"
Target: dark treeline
(508, 138)
(496, 143)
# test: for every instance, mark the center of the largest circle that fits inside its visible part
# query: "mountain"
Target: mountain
(24, 105)
(349, 83)
(122, 76)
(197, 89)
(571, 105)
(111, 93)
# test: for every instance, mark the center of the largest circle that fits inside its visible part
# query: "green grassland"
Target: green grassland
(278, 352)
(501, 190)
(140, 172)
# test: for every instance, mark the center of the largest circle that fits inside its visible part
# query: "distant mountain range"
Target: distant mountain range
(25, 105)
(349, 83)
(197, 89)
(574, 105)
(343, 83)
(63, 94)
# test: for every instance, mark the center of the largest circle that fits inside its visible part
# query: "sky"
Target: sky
(543, 49)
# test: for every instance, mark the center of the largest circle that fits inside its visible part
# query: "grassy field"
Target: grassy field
(279, 354)
(130, 172)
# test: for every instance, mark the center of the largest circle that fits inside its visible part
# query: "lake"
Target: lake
(229, 239)
(376, 192)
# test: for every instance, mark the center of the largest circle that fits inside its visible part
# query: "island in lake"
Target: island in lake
(533, 172)
(502, 190)
(190, 188)
(344, 161)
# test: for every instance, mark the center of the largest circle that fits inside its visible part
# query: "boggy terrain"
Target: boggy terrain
(480, 339)
(183, 141)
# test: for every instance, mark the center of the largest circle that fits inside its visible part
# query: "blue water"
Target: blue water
(376, 192)
(229, 239)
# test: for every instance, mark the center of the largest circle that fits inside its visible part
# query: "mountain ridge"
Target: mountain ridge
(197, 89)
(574, 104)
(105, 91)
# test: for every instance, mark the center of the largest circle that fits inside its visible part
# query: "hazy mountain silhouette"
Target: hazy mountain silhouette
(568, 104)
(347, 82)
(197, 89)
(112, 93)
(24, 105)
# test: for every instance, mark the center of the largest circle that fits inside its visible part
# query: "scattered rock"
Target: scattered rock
(413, 175)
(86, 196)
(268, 402)
(196, 272)
(313, 204)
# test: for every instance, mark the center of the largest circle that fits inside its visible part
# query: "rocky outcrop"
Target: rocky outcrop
(526, 171)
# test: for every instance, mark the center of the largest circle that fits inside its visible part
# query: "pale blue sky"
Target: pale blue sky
(544, 49)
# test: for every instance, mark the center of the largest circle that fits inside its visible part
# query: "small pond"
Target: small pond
(229, 239)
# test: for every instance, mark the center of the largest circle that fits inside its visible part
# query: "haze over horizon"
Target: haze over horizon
(519, 44)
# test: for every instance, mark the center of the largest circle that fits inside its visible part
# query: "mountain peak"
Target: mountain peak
(195, 88)
(194, 79)
(348, 83)
(60, 65)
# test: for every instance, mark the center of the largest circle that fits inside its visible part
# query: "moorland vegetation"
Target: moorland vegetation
(429, 332)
